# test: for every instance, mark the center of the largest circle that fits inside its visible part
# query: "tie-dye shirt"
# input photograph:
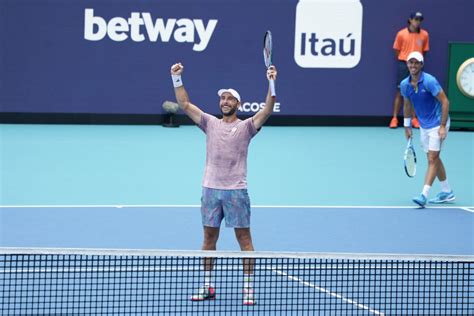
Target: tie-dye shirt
(226, 152)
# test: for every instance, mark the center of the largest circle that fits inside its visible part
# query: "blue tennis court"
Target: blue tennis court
(349, 148)
(405, 230)
(157, 283)
(136, 187)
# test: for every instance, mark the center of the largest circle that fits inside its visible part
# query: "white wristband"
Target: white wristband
(177, 82)
(407, 122)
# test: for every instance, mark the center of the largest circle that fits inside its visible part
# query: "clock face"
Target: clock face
(465, 78)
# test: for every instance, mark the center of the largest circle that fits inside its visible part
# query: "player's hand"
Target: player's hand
(442, 132)
(408, 132)
(177, 69)
(271, 73)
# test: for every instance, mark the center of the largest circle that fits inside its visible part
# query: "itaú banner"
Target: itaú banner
(334, 57)
(328, 34)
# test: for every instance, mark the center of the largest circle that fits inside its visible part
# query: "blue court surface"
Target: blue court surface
(330, 189)
(123, 285)
(164, 285)
(371, 229)
(323, 190)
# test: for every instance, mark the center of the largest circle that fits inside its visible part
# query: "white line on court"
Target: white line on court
(333, 294)
(467, 208)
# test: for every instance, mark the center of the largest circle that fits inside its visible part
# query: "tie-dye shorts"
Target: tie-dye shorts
(233, 205)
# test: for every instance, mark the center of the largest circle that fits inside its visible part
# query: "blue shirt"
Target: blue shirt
(427, 108)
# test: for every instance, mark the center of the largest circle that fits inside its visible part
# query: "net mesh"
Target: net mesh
(121, 282)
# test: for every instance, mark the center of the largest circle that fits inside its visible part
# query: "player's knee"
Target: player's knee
(210, 237)
(433, 158)
(209, 244)
(244, 238)
(210, 240)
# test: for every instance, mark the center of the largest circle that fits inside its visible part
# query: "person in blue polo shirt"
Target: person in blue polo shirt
(431, 105)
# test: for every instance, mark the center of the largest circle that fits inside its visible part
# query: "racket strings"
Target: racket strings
(267, 49)
(410, 162)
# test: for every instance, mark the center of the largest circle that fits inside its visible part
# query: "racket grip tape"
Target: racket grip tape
(272, 88)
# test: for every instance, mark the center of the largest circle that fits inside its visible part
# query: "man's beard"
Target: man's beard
(230, 113)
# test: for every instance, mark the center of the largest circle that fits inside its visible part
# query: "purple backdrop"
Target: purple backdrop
(56, 57)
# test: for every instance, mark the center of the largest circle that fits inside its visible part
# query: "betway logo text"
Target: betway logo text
(141, 26)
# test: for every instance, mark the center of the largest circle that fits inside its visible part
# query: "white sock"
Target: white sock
(207, 278)
(426, 190)
(248, 284)
(445, 186)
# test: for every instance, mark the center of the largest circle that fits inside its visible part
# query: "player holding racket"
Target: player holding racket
(432, 108)
(224, 194)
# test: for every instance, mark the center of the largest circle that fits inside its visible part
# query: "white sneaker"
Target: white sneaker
(443, 197)
(249, 297)
(206, 292)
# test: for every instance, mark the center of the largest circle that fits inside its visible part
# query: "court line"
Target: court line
(469, 209)
(333, 294)
(198, 205)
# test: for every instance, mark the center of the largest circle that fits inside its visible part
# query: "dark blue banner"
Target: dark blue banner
(334, 57)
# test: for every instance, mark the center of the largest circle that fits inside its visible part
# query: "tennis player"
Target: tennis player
(224, 192)
(424, 92)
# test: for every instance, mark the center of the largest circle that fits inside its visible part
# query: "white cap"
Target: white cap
(415, 55)
(234, 93)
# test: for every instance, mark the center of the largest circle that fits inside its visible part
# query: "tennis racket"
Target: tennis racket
(410, 159)
(267, 57)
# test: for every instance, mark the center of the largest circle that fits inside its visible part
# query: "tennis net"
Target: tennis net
(150, 282)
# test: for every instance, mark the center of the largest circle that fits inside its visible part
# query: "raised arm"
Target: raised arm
(182, 96)
(261, 117)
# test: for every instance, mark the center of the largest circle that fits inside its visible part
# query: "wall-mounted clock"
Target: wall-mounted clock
(465, 78)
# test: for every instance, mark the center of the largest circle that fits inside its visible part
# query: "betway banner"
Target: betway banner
(120, 29)
(334, 57)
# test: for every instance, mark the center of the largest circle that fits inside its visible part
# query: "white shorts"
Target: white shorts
(430, 140)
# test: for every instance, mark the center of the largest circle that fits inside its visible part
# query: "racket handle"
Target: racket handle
(272, 88)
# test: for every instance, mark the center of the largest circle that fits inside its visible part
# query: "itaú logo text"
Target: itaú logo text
(328, 33)
(140, 26)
